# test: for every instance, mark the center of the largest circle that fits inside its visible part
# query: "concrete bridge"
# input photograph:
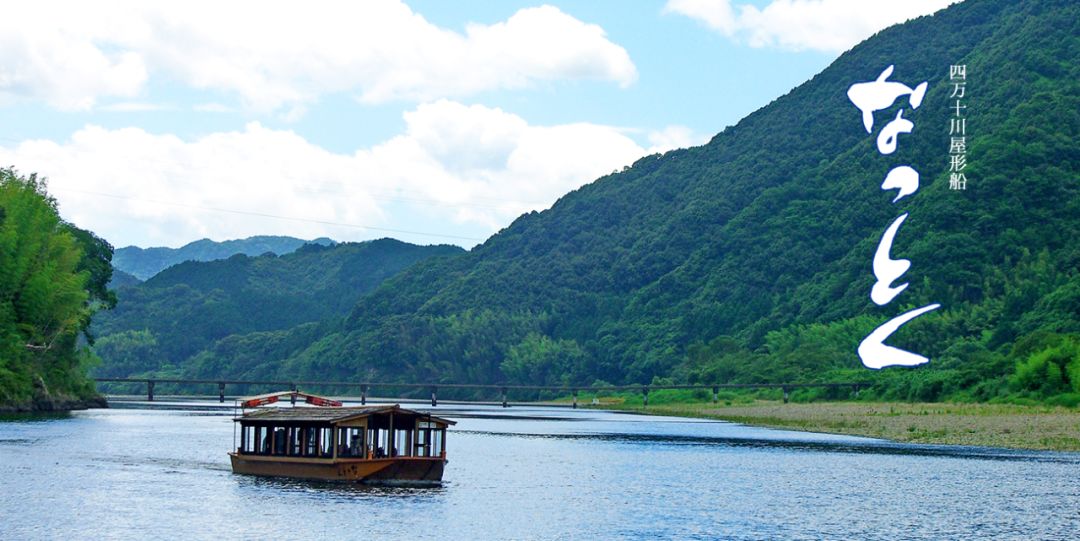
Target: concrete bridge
(365, 388)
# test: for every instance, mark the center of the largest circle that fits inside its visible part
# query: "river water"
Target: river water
(530, 473)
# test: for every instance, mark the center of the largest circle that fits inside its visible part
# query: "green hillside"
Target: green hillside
(146, 262)
(122, 279)
(53, 276)
(749, 258)
(174, 315)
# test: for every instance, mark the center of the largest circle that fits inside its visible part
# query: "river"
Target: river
(529, 473)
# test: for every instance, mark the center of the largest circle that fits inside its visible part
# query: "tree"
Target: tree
(44, 298)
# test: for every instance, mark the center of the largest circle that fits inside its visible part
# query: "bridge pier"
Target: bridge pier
(645, 395)
(221, 392)
(786, 397)
(504, 398)
(855, 390)
(150, 390)
(434, 397)
(292, 399)
(575, 398)
(715, 394)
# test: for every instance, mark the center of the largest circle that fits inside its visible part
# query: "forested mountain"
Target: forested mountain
(121, 279)
(146, 262)
(53, 276)
(161, 322)
(749, 258)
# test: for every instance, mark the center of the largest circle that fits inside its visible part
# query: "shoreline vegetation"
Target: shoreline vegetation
(53, 278)
(1013, 426)
(54, 404)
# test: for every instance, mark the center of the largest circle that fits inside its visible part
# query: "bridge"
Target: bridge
(365, 388)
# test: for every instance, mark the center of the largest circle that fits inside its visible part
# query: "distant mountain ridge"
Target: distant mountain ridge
(122, 279)
(144, 263)
(186, 307)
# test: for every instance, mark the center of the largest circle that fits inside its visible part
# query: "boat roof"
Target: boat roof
(331, 415)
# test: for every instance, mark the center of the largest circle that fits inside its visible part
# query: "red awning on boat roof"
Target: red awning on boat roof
(264, 399)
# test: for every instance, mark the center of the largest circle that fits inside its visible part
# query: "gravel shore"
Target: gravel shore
(994, 425)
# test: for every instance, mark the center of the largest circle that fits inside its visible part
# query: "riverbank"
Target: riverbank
(42, 404)
(993, 425)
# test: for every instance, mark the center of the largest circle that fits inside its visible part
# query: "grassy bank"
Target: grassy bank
(996, 425)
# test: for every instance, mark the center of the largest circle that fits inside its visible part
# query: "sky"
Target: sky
(161, 123)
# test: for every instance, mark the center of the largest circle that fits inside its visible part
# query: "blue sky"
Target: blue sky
(428, 121)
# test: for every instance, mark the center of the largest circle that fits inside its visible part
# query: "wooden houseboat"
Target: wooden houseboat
(369, 444)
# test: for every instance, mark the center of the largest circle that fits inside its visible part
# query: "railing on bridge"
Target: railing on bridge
(365, 388)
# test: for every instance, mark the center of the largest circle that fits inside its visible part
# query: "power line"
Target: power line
(267, 215)
(493, 199)
(426, 201)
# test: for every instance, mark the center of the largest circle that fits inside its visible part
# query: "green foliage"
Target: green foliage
(52, 278)
(128, 352)
(538, 358)
(186, 308)
(1050, 371)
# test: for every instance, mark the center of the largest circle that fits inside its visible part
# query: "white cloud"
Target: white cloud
(275, 55)
(453, 163)
(257, 170)
(49, 52)
(823, 25)
(134, 107)
(673, 137)
(212, 107)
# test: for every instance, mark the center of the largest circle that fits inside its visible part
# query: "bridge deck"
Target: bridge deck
(503, 388)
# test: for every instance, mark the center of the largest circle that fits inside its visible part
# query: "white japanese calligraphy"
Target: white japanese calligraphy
(888, 138)
(870, 97)
(875, 354)
(880, 94)
(904, 178)
(886, 269)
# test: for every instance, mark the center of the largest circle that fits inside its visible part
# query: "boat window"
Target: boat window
(310, 435)
(420, 446)
(401, 445)
(351, 443)
(249, 442)
(423, 438)
(294, 440)
(278, 446)
(262, 434)
(326, 442)
(438, 436)
(379, 442)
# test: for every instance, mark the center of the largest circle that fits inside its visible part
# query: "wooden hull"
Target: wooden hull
(408, 471)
